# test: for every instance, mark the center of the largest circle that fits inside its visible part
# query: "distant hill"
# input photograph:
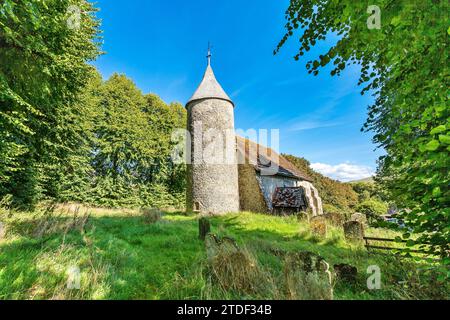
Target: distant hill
(368, 179)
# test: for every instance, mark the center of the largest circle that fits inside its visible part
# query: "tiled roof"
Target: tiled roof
(266, 161)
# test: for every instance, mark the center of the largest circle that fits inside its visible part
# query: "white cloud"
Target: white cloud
(310, 124)
(343, 171)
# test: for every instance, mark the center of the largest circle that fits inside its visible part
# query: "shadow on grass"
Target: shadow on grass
(121, 257)
(139, 258)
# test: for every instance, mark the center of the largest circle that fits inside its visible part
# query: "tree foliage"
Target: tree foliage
(372, 206)
(131, 150)
(404, 64)
(43, 66)
(67, 135)
(366, 190)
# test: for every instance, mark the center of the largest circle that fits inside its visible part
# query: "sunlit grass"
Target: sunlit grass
(122, 257)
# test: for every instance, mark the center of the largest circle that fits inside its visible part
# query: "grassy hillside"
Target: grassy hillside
(122, 257)
(367, 180)
(332, 192)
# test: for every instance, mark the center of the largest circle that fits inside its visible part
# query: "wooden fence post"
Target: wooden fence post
(203, 228)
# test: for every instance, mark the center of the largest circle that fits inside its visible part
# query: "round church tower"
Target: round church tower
(213, 172)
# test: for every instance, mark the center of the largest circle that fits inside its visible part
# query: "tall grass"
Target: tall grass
(120, 256)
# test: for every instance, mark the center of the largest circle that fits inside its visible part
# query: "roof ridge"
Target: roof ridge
(282, 161)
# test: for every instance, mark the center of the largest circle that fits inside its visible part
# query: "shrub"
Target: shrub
(336, 219)
(329, 208)
(335, 215)
(318, 226)
(372, 207)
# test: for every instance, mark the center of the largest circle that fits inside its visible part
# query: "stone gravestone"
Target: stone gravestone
(345, 272)
(151, 215)
(334, 218)
(212, 244)
(360, 217)
(318, 226)
(307, 276)
(353, 230)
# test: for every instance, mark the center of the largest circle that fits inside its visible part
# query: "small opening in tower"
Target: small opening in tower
(196, 206)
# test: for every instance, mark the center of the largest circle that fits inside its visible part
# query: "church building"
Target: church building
(255, 179)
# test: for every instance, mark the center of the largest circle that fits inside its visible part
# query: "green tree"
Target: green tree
(132, 146)
(366, 190)
(43, 67)
(64, 133)
(404, 64)
(76, 175)
(123, 149)
(165, 119)
(372, 206)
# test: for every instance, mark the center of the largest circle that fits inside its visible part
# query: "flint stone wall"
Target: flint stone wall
(212, 188)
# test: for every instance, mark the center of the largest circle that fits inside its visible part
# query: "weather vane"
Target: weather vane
(209, 53)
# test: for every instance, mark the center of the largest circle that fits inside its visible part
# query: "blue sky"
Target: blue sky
(161, 45)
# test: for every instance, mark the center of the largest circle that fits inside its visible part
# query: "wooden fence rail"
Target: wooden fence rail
(370, 246)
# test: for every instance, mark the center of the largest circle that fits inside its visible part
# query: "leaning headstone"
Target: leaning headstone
(203, 228)
(335, 218)
(215, 245)
(151, 215)
(232, 267)
(345, 272)
(212, 244)
(353, 230)
(307, 276)
(360, 217)
(305, 261)
(318, 226)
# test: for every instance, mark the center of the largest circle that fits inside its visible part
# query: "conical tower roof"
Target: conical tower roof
(209, 88)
